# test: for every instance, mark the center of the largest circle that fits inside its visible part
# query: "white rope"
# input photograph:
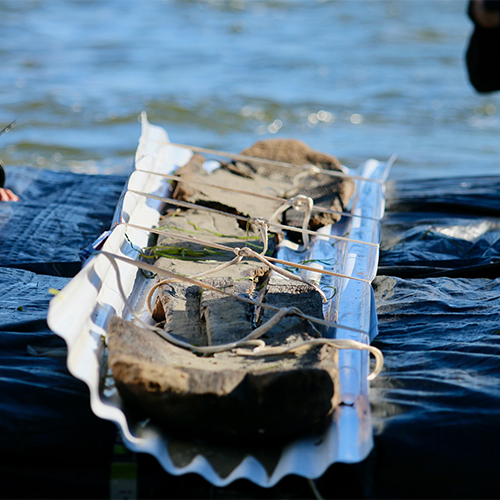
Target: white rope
(185, 204)
(235, 156)
(301, 203)
(252, 339)
(300, 179)
(199, 241)
(264, 228)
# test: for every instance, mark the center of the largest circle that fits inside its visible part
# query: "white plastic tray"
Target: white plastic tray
(80, 312)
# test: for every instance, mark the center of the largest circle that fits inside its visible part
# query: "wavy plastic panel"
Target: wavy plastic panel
(80, 312)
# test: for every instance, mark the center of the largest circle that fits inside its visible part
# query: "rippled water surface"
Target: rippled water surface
(353, 78)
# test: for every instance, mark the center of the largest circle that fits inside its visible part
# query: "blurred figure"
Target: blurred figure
(5, 194)
(483, 53)
(8, 195)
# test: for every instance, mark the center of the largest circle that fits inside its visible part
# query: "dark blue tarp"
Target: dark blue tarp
(48, 434)
(435, 407)
(435, 225)
(59, 214)
(51, 444)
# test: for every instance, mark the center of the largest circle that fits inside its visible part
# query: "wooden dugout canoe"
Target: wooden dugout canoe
(84, 308)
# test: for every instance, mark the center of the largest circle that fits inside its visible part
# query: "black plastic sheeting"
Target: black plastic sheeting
(50, 441)
(51, 444)
(59, 214)
(435, 407)
(442, 227)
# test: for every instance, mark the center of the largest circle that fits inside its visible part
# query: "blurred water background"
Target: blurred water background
(354, 78)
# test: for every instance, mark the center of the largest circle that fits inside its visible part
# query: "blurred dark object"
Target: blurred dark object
(6, 129)
(10, 126)
(483, 53)
(492, 5)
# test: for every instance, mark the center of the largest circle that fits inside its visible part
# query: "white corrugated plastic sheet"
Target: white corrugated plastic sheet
(80, 312)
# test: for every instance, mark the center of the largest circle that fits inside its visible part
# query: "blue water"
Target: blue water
(353, 78)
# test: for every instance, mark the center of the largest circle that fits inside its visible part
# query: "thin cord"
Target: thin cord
(235, 156)
(185, 204)
(315, 490)
(185, 180)
(252, 338)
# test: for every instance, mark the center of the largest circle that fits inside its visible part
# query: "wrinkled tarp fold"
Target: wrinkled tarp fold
(59, 214)
(435, 226)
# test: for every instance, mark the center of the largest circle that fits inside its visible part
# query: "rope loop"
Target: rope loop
(251, 339)
(301, 203)
(264, 227)
(312, 171)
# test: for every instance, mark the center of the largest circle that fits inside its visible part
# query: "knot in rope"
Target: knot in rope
(248, 252)
(241, 252)
(312, 171)
(301, 203)
(264, 226)
(300, 179)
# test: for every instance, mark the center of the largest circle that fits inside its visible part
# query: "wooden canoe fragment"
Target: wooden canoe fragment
(227, 395)
(232, 395)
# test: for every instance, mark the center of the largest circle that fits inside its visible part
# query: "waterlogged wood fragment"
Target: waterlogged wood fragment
(181, 307)
(224, 397)
(232, 395)
(226, 318)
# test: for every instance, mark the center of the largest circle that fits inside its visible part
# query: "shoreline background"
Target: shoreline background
(353, 78)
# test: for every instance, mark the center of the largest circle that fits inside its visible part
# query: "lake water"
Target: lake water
(352, 78)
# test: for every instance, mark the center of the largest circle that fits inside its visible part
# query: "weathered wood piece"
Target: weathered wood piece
(179, 307)
(328, 192)
(332, 193)
(228, 396)
(226, 318)
(232, 395)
